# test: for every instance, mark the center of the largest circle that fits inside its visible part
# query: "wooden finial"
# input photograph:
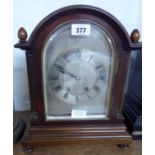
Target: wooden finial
(135, 35)
(22, 34)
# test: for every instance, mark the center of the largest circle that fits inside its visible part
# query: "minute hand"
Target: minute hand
(64, 71)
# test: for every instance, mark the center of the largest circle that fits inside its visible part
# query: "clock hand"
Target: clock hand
(62, 70)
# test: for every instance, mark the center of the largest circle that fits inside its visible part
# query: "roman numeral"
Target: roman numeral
(58, 88)
(99, 66)
(54, 78)
(90, 58)
(66, 58)
(86, 89)
(103, 78)
(89, 97)
(78, 54)
(77, 99)
(96, 88)
(66, 96)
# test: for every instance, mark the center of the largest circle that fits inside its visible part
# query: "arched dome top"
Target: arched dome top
(82, 9)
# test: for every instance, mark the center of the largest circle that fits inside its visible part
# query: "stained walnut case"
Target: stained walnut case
(77, 62)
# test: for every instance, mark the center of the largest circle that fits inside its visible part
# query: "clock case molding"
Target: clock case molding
(40, 132)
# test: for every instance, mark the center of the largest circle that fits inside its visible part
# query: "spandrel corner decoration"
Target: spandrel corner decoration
(77, 61)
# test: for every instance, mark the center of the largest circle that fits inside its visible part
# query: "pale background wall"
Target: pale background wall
(28, 13)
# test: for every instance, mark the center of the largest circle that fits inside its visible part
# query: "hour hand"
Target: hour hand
(64, 71)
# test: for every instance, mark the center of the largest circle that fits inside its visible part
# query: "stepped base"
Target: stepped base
(47, 136)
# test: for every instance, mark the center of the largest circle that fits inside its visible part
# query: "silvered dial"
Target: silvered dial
(77, 76)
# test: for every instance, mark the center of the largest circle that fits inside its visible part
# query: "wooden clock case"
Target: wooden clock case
(40, 132)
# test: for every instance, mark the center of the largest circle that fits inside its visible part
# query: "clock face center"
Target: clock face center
(80, 79)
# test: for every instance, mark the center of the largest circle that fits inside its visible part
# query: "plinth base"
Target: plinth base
(47, 136)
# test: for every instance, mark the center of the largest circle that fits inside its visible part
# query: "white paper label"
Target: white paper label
(79, 114)
(80, 29)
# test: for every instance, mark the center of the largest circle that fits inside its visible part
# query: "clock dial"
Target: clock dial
(77, 72)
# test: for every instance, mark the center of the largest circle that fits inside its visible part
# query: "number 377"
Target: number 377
(80, 30)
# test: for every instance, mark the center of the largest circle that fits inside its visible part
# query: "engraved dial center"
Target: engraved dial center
(85, 77)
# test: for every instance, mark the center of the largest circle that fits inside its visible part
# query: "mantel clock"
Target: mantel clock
(77, 62)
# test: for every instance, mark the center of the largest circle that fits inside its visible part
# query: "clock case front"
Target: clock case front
(41, 132)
